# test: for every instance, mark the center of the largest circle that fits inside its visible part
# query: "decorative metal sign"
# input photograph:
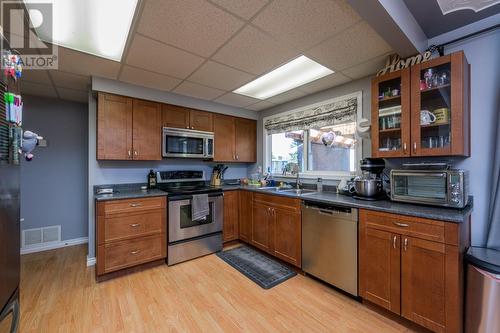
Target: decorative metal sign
(395, 63)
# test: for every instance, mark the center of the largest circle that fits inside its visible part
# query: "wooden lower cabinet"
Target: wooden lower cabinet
(412, 272)
(230, 222)
(245, 212)
(277, 227)
(130, 232)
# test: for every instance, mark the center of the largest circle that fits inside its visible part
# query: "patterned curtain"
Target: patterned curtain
(334, 113)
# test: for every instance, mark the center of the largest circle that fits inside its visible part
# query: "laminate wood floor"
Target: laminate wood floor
(60, 294)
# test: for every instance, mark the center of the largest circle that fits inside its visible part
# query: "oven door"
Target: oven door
(420, 187)
(180, 224)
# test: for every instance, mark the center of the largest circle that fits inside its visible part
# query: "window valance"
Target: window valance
(334, 113)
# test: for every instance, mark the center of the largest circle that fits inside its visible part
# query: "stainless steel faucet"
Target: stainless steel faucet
(297, 181)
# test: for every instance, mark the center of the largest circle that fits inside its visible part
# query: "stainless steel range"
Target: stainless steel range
(189, 238)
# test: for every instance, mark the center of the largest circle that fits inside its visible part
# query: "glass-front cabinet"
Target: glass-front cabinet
(422, 110)
(391, 114)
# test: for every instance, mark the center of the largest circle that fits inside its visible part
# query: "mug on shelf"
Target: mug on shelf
(427, 117)
(442, 115)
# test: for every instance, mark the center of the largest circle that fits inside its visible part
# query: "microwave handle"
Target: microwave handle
(205, 148)
(439, 174)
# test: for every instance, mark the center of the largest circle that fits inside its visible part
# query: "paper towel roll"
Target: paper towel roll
(363, 128)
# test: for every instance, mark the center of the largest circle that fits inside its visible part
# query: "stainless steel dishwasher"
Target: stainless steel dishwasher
(330, 244)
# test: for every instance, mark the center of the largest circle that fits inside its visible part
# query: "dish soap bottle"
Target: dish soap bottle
(151, 179)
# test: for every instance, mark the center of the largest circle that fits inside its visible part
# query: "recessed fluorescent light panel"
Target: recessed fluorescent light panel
(294, 73)
(98, 27)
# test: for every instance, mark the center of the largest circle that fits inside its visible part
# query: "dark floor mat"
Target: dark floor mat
(259, 268)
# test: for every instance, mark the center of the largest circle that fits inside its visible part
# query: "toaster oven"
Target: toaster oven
(447, 188)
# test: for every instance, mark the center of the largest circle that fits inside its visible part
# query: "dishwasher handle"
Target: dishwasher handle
(330, 210)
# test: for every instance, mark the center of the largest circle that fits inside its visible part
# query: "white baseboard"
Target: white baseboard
(91, 261)
(54, 245)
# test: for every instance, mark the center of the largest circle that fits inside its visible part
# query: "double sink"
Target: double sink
(291, 191)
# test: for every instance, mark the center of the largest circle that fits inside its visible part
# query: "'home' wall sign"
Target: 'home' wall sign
(395, 63)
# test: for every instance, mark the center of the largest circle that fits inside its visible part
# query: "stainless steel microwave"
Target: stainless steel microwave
(447, 188)
(187, 143)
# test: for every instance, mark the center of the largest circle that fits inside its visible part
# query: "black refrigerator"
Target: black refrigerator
(10, 140)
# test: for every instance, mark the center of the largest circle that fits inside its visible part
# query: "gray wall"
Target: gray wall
(363, 85)
(58, 171)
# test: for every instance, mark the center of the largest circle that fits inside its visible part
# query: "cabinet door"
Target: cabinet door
(261, 226)
(146, 131)
(245, 140)
(379, 268)
(391, 115)
(440, 107)
(201, 121)
(175, 116)
(245, 215)
(423, 284)
(114, 127)
(230, 229)
(287, 235)
(224, 138)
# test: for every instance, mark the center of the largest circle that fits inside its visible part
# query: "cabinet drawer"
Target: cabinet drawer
(404, 225)
(131, 205)
(276, 200)
(123, 226)
(132, 252)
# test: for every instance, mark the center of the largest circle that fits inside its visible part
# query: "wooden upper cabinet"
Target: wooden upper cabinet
(181, 117)
(245, 142)
(391, 115)
(146, 130)
(423, 110)
(440, 87)
(201, 120)
(230, 227)
(114, 127)
(379, 268)
(175, 116)
(245, 215)
(424, 284)
(224, 132)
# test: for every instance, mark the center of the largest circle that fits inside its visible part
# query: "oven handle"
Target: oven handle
(189, 197)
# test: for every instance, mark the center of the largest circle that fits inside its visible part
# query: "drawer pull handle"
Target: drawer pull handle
(406, 244)
(135, 225)
(394, 239)
(135, 205)
(135, 252)
(404, 225)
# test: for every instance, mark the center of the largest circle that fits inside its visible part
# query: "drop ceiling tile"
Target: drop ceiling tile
(326, 82)
(37, 89)
(193, 25)
(286, 96)
(85, 64)
(262, 105)
(253, 51)
(220, 76)
(242, 8)
(154, 56)
(148, 79)
(36, 75)
(369, 68)
(302, 24)
(73, 95)
(197, 90)
(349, 48)
(236, 100)
(70, 80)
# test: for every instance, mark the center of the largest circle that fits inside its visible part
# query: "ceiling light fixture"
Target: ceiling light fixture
(293, 74)
(98, 27)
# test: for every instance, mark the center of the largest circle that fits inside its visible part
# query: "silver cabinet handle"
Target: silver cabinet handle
(135, 205)
(403, 225)
(135, 252)
(187, 127)
(404, 147)
(394, 239)
(406, 244)
(414, 147)
(129, 153)
(135, 225)
(237, 157)
(135, 153)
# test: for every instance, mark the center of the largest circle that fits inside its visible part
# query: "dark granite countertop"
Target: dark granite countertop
(126, 191)
(424, 211)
